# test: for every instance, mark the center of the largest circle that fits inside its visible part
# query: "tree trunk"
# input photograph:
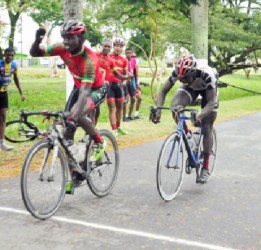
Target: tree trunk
(199, 19)
(73, 10)
(13, 21)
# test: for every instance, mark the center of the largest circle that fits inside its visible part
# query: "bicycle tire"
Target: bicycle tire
(169, 176)
(103, 174)
(43, 194)
(18, 131)
(212, 157)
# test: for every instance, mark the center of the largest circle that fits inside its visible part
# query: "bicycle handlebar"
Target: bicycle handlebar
(177, 110)
(44, 113)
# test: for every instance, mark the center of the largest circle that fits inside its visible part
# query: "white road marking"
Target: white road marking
(124, 231)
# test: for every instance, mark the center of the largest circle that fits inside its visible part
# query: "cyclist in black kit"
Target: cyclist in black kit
(196, 81)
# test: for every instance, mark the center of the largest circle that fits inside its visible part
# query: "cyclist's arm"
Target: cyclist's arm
(210, 106)
(35, 50)
(165, 89)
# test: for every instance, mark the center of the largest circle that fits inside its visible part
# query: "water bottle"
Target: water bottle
(81, 151)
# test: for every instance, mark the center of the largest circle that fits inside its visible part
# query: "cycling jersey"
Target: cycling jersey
(84, 67)
(205, 78)
(120, 65)
(6, 72)
(107, 66)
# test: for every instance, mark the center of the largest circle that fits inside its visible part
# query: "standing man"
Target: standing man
(196, 81)
(115, 95)
(108, 67)
(8, 68)
(132, 88)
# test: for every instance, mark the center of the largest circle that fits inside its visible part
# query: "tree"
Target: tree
(234, 38)
(15, 8)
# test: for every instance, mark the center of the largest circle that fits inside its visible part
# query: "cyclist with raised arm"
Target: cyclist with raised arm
(84, 66)
(195, 81)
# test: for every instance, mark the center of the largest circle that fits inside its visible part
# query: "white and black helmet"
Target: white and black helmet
(118, 41)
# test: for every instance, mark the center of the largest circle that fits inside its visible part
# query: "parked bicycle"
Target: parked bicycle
(170, 165)
(22, 130)
(50, 163)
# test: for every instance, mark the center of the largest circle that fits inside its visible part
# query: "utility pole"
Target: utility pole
(199, 19)
(73, 10)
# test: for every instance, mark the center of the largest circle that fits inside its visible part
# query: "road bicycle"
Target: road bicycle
(50, 163)
(22, 130)
(170, 165)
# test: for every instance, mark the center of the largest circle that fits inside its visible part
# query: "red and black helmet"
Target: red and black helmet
(118, 41)
(186, 65)
(73, 27)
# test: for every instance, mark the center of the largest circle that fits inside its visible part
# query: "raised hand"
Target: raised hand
(39, 36)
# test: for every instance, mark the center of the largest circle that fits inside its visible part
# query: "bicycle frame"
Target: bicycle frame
(56, 136)
(192, 155)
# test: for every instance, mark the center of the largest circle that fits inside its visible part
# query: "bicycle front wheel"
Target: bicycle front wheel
(103, 173)
(19, 131)
(213, 154)
(170, 167)
(43, 179)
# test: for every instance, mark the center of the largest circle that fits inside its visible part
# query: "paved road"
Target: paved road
(223, 214)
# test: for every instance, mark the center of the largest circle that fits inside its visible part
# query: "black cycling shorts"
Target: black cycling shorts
(195, 93)
(96, 96)
(3, 100)
(129, 89)
(115, 92)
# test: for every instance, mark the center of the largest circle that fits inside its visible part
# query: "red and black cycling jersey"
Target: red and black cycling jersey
(107, 66)
(121, 66)
(84, 67)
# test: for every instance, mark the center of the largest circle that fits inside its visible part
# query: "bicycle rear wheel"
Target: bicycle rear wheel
(19, 131)
(170, 167)
(213, 155)
(103, 173)
(43, 179)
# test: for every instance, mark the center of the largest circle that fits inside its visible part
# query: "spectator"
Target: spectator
(115, 95)
(8, 68)
(107, 66)
(132, 88)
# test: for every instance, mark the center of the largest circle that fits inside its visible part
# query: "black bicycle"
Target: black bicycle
(170, 165)
(50, 161)
(22, 130)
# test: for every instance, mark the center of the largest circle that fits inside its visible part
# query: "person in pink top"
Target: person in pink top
(132, 88)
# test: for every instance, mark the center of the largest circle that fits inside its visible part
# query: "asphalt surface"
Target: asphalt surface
(224, 214)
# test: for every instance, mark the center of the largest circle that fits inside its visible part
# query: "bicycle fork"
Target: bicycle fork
(52, 166)
(176, 140)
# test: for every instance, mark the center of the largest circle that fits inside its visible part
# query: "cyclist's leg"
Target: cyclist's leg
(207, 126)
(95, 98)
(72, 99)
(183, 97)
